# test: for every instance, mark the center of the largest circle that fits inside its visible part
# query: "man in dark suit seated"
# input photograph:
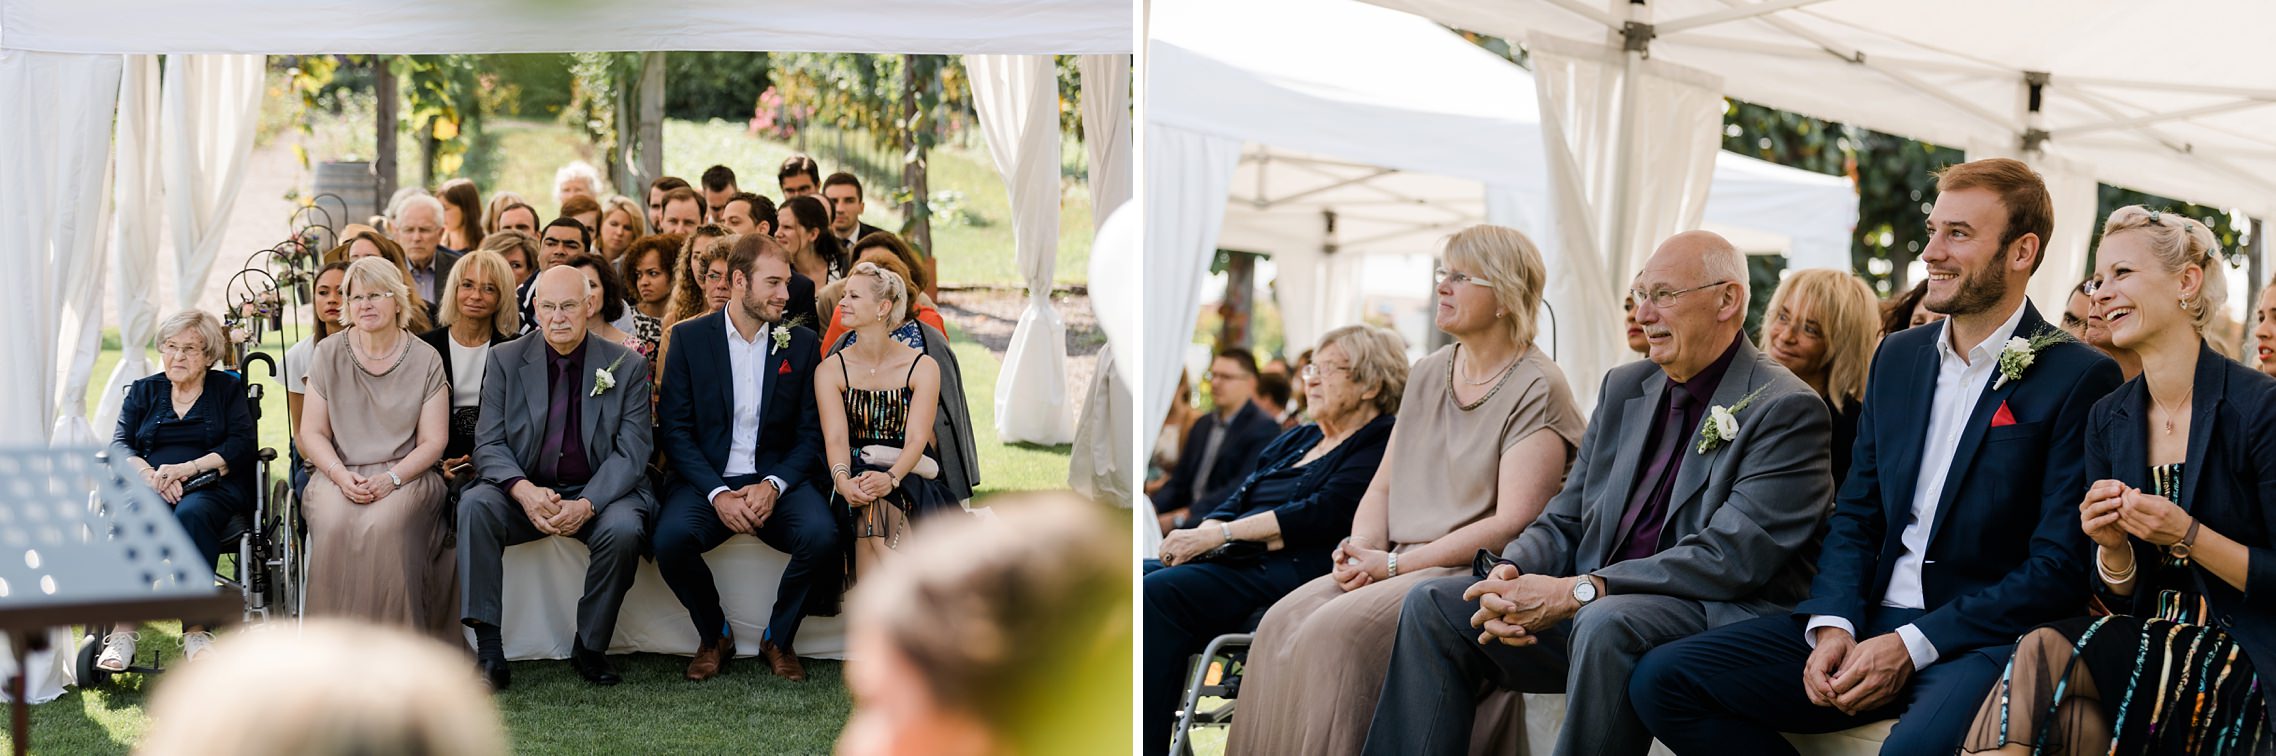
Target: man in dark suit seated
(1224, 445)
(843, 193)
(1662, 529)
(1957, 530)
(570, 465)
(737, 421)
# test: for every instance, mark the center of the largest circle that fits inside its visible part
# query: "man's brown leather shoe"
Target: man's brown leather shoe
(711, 659)
(782, 661)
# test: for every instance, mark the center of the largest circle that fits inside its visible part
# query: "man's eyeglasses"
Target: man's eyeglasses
(1664, 298)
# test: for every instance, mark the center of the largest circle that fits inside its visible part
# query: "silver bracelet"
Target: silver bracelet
(1391, 566)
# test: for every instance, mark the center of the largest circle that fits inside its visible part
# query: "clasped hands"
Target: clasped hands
(1514, 608)
(167, 480)
(362, 489)
(744, 510)
(548, 512)
(1856, 677)
(865, 489)
(1356, 565)
(2113, 510)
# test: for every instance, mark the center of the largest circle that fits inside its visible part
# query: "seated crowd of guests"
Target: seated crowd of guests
(2008, 533)
(645, 393)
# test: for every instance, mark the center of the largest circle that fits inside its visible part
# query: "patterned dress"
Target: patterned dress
(2168, 684)
(880, 417)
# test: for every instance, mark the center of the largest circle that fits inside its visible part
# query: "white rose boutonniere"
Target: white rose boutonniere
(781, 337)
(605, 378)
(2020, 352)
(1722, 423)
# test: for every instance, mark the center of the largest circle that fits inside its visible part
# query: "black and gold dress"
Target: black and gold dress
(880, 417)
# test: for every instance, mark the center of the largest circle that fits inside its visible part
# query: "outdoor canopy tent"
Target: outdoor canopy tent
(2172, 101)
(71, 59)
(1425, 135)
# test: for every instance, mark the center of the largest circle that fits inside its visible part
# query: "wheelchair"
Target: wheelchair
(1216, 673)
(270, 549)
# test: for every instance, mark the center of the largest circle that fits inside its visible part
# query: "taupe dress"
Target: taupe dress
(1318, 661)
(389, 560)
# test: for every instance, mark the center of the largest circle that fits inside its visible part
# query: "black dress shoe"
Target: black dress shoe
(496, 672)
(593, 666)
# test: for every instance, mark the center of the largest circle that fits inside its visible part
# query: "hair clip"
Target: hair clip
(2154, 215)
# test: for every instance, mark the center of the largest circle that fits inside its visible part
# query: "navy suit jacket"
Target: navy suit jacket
(2228, 482)
(695, 413)
(2005, 552)
(1245, 440)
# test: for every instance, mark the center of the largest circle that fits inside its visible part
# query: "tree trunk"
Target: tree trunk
(383, 163)
(916, 214)
(651, 132)
(428, 146)
(1240, 301)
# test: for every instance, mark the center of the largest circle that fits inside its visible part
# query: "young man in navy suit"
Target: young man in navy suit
(1957, 529)
(737, 421)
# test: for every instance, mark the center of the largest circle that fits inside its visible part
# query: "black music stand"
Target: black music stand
(84, 540)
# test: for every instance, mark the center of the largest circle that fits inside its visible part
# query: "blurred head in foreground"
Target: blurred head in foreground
(332, 688)
(1008, 634)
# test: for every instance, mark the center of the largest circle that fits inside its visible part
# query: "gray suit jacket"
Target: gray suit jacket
(1744, 519)
(616, 432)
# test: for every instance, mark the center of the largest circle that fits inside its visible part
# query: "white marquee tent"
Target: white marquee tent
(181, 140)
(1422, 135)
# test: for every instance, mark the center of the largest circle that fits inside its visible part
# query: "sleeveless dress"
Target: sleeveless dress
(880, 417)
(2168, 684)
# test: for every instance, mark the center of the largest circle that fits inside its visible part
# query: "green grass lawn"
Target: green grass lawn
(549, 710)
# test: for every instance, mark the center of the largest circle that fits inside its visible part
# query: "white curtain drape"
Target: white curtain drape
(1017, 97)
(1106, 131)
(1188, 176)
(133, 253)
(211, 103)
(54, 149)
(82, 337)
(1105, 459)
(1632, 151)
(1318, 291)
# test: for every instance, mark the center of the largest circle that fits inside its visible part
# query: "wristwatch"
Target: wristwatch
(2180, 549)
(1584, 590)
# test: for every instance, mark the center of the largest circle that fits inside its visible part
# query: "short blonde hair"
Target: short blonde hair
(1378, 361)
(891, 287)
(372, 275)
(508, 318)
(618, 203)
(2179, 242)
(205, 326)
(1507, 264)
(499, 242)
(1848, 316)
(335, 688)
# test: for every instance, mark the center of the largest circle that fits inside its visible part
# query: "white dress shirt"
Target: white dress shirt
(747, 362)
(1960, 381)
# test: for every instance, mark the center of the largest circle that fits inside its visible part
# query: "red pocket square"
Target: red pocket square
(2003, 417)
(784, 369)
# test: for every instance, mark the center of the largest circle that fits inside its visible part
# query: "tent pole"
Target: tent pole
(1638, 36)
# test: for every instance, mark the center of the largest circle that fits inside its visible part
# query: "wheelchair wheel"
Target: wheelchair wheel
(90, 647)
(285, 564)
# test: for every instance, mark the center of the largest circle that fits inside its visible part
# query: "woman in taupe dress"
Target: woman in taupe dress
(1486, 430)
(373, 425)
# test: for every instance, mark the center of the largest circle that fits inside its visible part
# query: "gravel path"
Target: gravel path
(990, 315)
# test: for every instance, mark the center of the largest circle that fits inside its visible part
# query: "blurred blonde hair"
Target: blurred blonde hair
(1848, 318)
(2179, 242)
(891, 287)
(1021, 618)
(508, 318)
(328, 688)
(1508, 264)
(1378, 361)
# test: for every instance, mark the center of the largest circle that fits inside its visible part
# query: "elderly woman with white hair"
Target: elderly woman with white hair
(578, 177)
(190, 432)
(374, 423)
(1486, 430)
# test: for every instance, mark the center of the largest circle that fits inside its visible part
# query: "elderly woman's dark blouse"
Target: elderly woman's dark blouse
(219, 422)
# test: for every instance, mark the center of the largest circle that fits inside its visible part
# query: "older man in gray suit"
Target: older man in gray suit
(561, 449)
(1693, 502)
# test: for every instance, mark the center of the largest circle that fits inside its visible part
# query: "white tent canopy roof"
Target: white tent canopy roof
(1036, 27)
(2188, 111)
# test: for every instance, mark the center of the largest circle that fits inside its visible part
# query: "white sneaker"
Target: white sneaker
(118, 650)
(194, 643)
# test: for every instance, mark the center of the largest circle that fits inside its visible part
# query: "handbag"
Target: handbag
(201, 481)
(883, 457)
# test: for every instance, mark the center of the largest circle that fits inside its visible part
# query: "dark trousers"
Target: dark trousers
(1438, 670)
(205, 516)
(1735, 689)
(800, 526)
(1190, 604)
(489, 521)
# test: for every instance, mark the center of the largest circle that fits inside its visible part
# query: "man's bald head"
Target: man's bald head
(1691, 299)
(562, 299)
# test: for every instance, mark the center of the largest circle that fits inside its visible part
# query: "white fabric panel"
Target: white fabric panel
(51, 670)
(498, 26)
(1318, 293)
(1017, 97)
(545, 577)
(1186, 179)
(1106, 131)
(1105, 460)
(55, 154)
(1815, 212)
(1641, 137)
(2112, 101)
(133, 253)
(211, 103)
(82, 336)
(2076, 198)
